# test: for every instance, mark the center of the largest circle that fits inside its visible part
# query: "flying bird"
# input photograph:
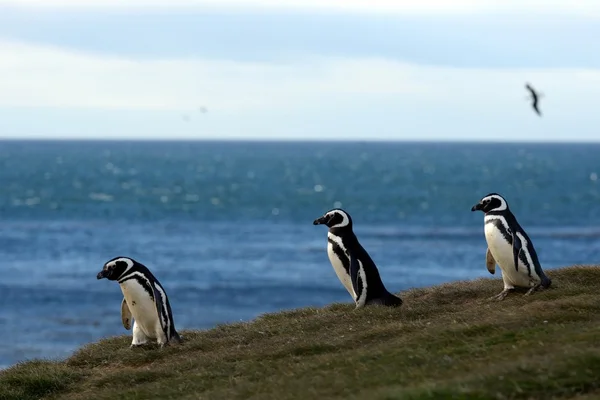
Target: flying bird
(535, 97)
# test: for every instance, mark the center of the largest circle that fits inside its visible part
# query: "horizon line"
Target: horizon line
(296, 140)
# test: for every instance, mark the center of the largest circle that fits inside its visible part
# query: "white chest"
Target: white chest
(141, 306)
(503, 253)
(337, 264)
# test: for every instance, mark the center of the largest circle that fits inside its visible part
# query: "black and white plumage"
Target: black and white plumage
(535, 98)
(509, 247)
(144, 299)
(351, 262)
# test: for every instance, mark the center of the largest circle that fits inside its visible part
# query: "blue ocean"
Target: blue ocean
(227, 226)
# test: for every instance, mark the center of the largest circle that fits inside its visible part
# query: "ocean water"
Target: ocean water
(227, 226)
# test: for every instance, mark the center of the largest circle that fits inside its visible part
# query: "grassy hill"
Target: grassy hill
(445, 342)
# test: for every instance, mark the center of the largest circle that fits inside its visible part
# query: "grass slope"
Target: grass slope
(445, 342)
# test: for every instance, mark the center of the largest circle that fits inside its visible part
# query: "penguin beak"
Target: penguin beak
(101, 274)
(319, 221)
(476, 207)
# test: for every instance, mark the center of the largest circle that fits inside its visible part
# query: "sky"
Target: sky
(299, 69)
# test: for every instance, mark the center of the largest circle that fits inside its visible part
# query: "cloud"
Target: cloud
(484, 41)
(581, 7)
(305, 97)
(51, 77)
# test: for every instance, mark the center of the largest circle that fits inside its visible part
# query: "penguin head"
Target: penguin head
(491, 202)
(115, 268)
(335, 219)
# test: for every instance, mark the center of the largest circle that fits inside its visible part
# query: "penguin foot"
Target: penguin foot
(176, 340)
(387, 300)
(532, 290)
(502, 295)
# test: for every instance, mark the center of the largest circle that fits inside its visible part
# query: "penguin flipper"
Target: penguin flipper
(125, 315)
(517, 247)
(490, 262)
(159, 307)
(356, 277)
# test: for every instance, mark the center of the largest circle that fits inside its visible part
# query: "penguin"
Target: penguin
(144, 300)
(509, 247)
(352, 264)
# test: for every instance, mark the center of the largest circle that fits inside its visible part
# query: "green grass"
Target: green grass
(445, 342)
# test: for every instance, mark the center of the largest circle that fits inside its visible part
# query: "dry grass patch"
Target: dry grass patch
(445, 342)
